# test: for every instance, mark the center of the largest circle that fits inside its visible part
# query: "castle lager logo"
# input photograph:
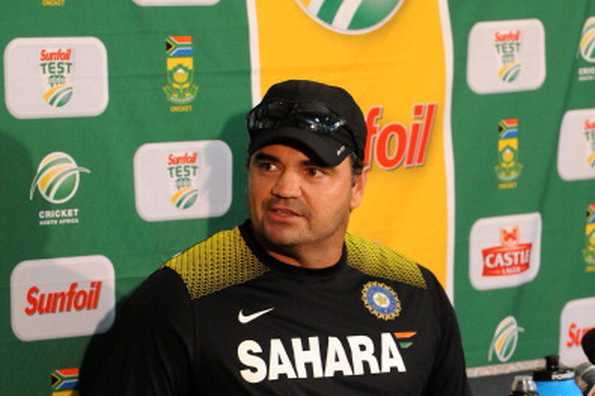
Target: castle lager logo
(182, 169)
(57, 178)
(56, 70)
(393, 145)
(505, 339)
(506, 56)
(351, 16)
(504, 251)
(576, 319)
(587, 44)
(589, 250)
(576, 145)
(62, 297)
(508, 168)
(180, 88)
(589, 129)
(508, 46)
(509, 258)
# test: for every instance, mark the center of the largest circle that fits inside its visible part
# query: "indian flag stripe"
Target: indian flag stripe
(345, 13)
(328, 10)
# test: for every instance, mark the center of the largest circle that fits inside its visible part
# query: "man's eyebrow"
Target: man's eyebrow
(265, 157)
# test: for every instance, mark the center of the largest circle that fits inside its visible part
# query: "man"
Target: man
(288, 303)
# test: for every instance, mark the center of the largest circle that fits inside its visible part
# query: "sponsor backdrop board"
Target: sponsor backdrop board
(122, 141)
(523, 150)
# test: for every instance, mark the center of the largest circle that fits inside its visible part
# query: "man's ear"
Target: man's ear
(357, 188)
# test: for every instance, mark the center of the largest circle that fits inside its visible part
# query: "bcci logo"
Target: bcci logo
(180, 88)
(351, 17)
(505, 339)
(381, 300)
(508, 168)
(57, 178)
(56, 74)
(587, 44)
(183, 174)
(508, 46)
(589, 250)
(589, 128)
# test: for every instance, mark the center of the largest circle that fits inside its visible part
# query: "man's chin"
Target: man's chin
(282, 237)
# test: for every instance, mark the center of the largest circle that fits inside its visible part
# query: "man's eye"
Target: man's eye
(314, 172)
(267, 166)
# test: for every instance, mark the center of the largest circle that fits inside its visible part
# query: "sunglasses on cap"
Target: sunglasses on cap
(312, 117)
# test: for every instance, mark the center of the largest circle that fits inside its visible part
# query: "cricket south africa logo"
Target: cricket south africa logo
(587, 44)
(589, 250)
(180, 88)
(508, 46)
(56, 66)
(182, 169)
(508, 168)
(505, 339)
(351, 16)
(57, 178)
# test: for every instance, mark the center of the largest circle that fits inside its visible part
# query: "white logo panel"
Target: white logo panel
(506, 56)
(183, 180)
(504, 251)
(55, 77)
(576, 147)
(175, 2)
(578, 317)
(62, 297)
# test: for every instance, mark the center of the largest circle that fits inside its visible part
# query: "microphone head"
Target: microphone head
(588, 344)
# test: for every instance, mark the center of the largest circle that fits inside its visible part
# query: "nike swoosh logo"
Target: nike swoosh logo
(243, 319)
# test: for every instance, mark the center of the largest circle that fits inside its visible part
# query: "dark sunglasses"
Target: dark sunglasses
(313, 117)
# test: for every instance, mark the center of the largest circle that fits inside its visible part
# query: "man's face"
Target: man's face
(294, 202)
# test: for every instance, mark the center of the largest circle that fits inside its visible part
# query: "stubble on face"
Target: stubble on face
(296, 205)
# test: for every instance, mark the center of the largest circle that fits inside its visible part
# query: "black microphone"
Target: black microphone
(588, 344)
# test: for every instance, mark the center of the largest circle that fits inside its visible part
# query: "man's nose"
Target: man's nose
(287, 185)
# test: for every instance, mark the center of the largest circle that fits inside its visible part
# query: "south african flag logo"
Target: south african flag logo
(57, 178)
(351, 16)
(64, 382)
(587, 44)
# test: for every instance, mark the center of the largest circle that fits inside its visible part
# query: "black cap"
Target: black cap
(329, 149)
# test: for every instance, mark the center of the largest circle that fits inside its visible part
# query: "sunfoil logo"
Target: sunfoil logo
(57, 178)
(587, 44)
(505, 340)
(351, 16)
